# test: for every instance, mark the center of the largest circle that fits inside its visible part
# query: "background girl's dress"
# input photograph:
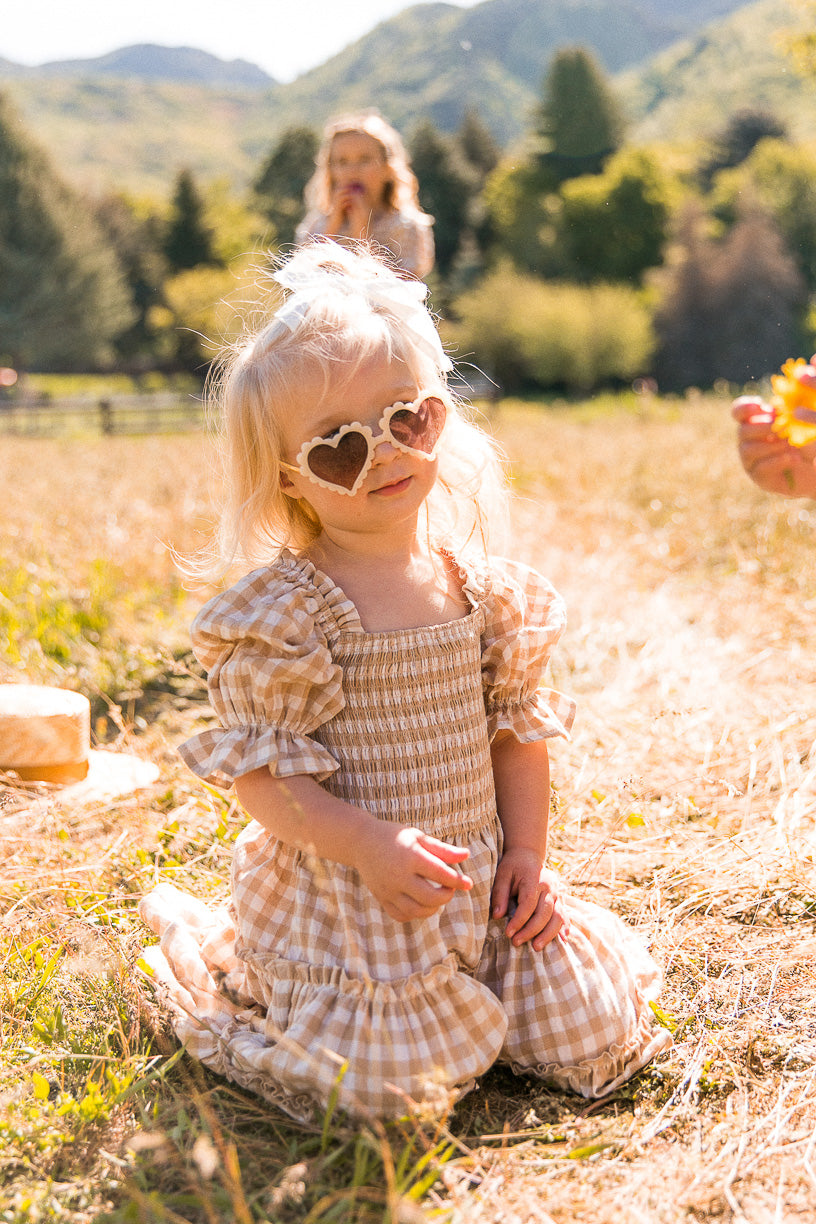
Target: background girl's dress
(305, 977)
(407, 235)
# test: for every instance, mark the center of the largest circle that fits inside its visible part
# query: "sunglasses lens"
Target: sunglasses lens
(419, 429)
(340, 464)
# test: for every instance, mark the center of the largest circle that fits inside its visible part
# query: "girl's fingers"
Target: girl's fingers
(500, 898)
(439, 876)
(751, 410)
(443, 850)
(522, 925)
(426, 893)
(435, 871)
(555, 927)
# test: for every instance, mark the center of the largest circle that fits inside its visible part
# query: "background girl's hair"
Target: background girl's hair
(261, 381)
(402, 193)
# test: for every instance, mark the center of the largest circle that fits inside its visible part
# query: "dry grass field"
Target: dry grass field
(686, 801)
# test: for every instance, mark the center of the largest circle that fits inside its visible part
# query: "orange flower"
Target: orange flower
(794, 402)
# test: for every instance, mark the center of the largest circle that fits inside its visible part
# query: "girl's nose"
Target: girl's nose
(384, 449)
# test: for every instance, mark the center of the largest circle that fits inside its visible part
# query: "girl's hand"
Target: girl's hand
(770, 461)
(408, 871)
(539, 915)
(349, 212)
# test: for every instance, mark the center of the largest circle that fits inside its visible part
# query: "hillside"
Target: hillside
(739, 62)
(150, 62)
(492, 57)
(133, 118)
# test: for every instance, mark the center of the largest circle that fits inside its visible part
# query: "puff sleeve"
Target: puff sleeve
(271, 679)
(524, 618)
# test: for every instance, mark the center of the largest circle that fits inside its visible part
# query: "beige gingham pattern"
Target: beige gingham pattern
(306, 976)
(407, 236)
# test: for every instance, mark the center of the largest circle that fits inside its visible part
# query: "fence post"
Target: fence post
(106, 416)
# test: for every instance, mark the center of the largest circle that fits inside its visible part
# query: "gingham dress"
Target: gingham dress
(303, 982)
(407, 235)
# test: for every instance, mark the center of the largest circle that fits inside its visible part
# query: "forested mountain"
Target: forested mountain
(135, 116)
(691, 13)
(739, 62)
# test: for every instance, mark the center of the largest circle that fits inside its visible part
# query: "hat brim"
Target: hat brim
(110, 776)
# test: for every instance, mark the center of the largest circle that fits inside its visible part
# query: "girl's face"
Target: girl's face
(390, 496)
(357, 163)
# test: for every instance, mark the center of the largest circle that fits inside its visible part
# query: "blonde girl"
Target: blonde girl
(364, 190)
(393, 928)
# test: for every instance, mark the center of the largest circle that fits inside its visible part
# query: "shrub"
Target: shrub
(527, 332)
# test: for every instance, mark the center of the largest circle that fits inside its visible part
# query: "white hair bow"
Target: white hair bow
(405, 299)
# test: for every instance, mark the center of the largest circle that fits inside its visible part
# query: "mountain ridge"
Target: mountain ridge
(430, 61)
(152, 62)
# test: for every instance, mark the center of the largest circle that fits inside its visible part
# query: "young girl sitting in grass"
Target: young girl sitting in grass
(364, 190)
(393, 927)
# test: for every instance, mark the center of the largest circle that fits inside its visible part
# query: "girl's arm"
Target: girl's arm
(522, 777)
(406, 870)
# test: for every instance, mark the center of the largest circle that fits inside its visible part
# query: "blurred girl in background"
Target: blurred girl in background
(364, 190)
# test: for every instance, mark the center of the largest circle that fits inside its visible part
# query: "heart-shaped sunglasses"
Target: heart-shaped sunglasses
(342, 460)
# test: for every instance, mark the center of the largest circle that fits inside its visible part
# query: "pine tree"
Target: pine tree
(282, 178)
(738, 139)
(137, 242)
(447, 187)
(579, 122)
(62, 294)
(477, 145)
(188, 240)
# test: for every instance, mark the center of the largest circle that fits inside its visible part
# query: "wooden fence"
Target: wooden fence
(158, 413)
(113, 414)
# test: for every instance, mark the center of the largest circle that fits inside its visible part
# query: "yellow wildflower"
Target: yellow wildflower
(794, 402)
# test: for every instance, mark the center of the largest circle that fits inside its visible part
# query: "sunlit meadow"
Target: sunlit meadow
(685, 801)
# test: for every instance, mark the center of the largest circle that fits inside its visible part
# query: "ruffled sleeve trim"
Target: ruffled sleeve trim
(334, 611)
(525, 618)
(545, 713)
(272, 680)
(220, 756)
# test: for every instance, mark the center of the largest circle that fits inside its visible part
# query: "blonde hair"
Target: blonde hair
(400, 193)
(318, 342)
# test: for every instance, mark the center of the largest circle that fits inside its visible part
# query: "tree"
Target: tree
(188, 239)
(63, 299)
(758, 298)
(738, 139)
(447, 187)
(613, 225)
(481, 154)
(729, 308)
(281, 180)
(579, 122)
(801, 46)
(477, 145)
(523, 214)
(780, 178)
(134, 232)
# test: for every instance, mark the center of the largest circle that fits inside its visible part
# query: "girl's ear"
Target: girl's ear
(287, 487)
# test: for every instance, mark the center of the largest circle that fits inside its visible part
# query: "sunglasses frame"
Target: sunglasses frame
(301, 464)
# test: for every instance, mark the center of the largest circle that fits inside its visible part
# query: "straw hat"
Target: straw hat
(45, 736)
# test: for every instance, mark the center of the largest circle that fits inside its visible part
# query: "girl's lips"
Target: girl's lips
(393, 487)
